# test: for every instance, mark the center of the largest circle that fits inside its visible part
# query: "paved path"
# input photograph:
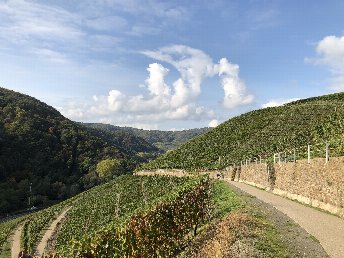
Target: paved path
(48, 233)
(328, 229)
(15, 249)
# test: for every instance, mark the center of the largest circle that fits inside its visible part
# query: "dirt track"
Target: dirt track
(48, 233)
(15, 249)
(328, 229)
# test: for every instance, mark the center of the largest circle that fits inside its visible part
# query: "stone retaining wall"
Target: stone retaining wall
(318, 184)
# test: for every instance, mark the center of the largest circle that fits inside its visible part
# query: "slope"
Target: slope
(261, 133)
(55, 156)
(100, 211)
(164, 140)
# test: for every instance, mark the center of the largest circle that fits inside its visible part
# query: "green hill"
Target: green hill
(122, 138)
(164, 140)
(58, 157)
(261, 133)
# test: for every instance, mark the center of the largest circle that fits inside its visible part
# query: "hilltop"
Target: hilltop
(164, 140)
(57, 156)
(261, 133)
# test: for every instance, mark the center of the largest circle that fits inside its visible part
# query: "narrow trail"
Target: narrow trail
(328, 229)
(15, 249)
(48, 233)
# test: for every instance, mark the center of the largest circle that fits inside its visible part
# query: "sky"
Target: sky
(170, 65)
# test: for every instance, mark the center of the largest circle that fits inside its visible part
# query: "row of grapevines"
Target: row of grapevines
(35, 224)
(159, 232)
(112, 203)
(7, 228)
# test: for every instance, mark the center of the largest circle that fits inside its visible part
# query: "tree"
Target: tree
(109, 168)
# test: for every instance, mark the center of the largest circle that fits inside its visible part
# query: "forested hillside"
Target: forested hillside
(57, 157)
(164, 140)
(261, 133)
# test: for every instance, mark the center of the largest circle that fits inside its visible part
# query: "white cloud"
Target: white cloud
(27, 21)
(278, 102)
(155, 82)
(234, 88)
(193, 64)
(213, 123)
(164, 102)
(177, 101)
(330, 51)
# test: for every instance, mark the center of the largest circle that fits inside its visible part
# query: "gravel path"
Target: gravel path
(48, 233)
(15, 249)
(328, 229)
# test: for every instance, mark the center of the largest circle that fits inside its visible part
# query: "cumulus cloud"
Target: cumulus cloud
(278, 102)
(193, 65)
(162, 102)
(234, 88)
(213, 123)
(330, 52)
(177, 101)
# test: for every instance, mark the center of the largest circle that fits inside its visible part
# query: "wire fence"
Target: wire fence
(311, 151)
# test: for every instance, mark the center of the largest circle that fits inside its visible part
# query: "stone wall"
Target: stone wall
(162, 172)
(319, 184)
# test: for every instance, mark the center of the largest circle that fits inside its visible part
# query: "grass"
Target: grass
(234, 223)
(224, 200)
(270, 241)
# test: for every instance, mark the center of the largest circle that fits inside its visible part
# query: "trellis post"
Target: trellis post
(294, 156)
(309, 153)
(327, 157)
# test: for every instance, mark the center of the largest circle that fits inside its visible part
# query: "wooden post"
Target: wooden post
(285, 157)
(274, 158)
(309, 153)
(327, 158)
(260, 159)
(279, 158)
(294, 156)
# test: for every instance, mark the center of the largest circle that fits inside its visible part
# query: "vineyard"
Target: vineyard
(113, 204)
(262, 133)
(36, 223)
(110, 207)
(6, 229)
(155, 216)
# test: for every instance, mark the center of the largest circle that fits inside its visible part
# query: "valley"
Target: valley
(107, 191)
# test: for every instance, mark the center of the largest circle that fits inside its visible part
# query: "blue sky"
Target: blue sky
(170, 64)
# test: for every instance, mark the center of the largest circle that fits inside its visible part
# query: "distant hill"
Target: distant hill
(264, 132)
(164, 140)
(58, 157)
